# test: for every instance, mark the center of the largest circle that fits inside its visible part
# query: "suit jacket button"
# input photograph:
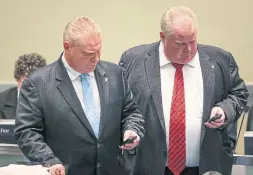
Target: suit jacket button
(98, 165)
(165, 151)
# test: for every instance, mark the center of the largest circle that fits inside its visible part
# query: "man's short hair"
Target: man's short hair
(80, 27)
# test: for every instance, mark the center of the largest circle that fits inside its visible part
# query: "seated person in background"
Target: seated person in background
(250, 119)
(23, 66)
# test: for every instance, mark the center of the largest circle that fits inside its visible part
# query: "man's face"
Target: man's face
(181, 47)
(84, 55)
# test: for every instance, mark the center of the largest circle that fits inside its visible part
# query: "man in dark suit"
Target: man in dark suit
(24, 65)
(77, 111)
(180, 85)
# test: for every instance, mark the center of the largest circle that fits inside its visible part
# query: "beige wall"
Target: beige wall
(36, 26)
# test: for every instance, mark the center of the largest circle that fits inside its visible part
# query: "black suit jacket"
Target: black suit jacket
(51, 126)
(8, 103)
(141, 65)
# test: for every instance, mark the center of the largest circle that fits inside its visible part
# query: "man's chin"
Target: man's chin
(185, 60)
(87, 70)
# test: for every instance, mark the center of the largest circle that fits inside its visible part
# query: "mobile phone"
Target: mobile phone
(217, 116)
(129, 140)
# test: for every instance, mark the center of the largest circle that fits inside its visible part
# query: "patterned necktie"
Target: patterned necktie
(177, 145)
(92, 111)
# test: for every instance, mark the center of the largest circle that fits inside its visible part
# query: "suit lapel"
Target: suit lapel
(207, 67)
(152, 67)
(103, 88)
(68, 92)
(12, 101)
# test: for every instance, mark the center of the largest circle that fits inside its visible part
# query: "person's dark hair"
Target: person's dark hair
(27, 63)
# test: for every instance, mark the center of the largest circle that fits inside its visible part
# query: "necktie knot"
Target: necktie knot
(84, 77)
(177, 66)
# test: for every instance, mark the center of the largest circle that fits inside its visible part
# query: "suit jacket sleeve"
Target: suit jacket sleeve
(236, 100)
(29, 126)
(124, 63)
(132, 118)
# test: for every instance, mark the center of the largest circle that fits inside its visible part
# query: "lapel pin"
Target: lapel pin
(106, 79)
(212, 66)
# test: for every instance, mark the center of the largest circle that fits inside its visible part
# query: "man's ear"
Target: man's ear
(66, 45)
(162, 36)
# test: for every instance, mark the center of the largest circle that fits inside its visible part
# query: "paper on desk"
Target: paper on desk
(13, 169)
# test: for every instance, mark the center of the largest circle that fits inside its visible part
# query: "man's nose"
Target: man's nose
(188, 46)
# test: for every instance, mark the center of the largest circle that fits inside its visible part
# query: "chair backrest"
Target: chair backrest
(5, 86)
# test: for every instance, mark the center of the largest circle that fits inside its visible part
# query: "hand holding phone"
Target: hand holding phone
(129, 140)
(212, 119)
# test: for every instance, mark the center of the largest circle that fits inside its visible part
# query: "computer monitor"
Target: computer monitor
(7, 131)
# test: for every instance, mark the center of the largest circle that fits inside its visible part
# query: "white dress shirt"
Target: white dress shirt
(76, 82)
(193, 86)
(18, 93)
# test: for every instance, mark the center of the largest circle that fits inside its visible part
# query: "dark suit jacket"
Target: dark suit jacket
(8, 103)
(51, 126)
(141, 65)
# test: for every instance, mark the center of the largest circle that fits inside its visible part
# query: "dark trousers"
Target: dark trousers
(187, 171)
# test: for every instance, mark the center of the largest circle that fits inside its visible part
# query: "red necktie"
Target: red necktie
(177, 149)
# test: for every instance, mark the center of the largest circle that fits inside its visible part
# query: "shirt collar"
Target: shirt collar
(73, 75)
(164, 61)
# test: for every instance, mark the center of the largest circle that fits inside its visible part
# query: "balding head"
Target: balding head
(178, 19)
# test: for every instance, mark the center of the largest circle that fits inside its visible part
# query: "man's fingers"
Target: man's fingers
(62, 171)
(52, 171)
(129, 146)
(213, 124)
(218, 121)
(57, 170)
(209, 125)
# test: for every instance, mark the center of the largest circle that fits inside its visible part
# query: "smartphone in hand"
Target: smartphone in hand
(129, 140)
(217, 116)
